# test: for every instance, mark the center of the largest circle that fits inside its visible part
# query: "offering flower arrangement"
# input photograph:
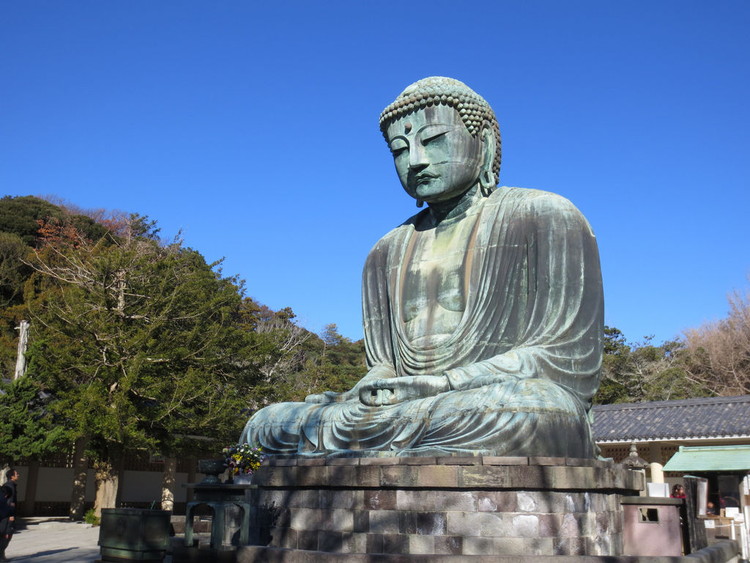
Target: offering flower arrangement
(242, 458)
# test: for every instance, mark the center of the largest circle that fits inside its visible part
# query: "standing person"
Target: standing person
(10, 496)
(678, 491)
(12, 476)
(7, 512)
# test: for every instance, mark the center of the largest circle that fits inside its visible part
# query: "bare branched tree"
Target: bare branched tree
(288, 338)
(720, 351)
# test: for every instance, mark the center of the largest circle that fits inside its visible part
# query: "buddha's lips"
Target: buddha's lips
(424, 178)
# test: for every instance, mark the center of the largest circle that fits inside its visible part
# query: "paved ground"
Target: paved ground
(54, 541)
(51, 541)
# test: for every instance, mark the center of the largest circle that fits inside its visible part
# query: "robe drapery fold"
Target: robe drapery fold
(523, 362)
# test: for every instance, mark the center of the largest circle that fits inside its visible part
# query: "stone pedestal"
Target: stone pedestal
(231, 513)
(440, 506)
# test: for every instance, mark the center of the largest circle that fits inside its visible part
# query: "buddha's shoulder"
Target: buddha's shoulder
(536, 209)
(533, 200)
(398, 233)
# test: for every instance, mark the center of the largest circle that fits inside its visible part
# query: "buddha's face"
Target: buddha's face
(436, 157)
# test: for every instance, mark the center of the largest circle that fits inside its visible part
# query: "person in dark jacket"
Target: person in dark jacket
(7, 511)
(8, 502)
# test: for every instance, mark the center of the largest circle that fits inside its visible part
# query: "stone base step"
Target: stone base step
(724, 552)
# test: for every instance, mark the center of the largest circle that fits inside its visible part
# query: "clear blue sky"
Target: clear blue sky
(252, 127)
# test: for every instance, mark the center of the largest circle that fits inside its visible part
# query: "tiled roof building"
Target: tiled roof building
(660, 427)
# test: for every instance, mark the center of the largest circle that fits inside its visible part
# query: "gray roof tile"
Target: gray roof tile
(714, 417)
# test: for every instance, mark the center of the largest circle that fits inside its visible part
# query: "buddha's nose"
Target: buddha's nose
(417, 157)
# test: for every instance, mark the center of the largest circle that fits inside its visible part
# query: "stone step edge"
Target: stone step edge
(305, 461)
(724, 551)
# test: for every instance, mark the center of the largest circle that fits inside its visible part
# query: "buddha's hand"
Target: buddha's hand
(377, 373)
(380, 392)
(326, 397)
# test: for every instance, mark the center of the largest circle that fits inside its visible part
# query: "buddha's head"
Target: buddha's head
(445, 139)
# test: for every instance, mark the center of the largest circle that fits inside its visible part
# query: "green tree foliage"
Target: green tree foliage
(21, 220)
(23, 215)
(27, 426)
(279, 346)
(13, 271)
(616, 352)
(338, 364)
(297, 363)
(14, 274)
(20, 216)
(330, 362)
(141, 345)
(643, 371)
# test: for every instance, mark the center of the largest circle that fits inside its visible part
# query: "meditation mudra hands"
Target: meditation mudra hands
(378, 392)
(382, 392)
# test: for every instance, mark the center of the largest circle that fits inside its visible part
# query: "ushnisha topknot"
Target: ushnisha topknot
(475, 112)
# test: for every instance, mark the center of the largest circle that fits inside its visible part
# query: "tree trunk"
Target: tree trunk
(168, 483)
(107, 483)
(80, 478)
(23, 340)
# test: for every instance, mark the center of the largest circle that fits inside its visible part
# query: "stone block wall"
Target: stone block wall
(442, 506)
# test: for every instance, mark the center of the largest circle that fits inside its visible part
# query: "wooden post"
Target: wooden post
(191, 477)
(696, 527)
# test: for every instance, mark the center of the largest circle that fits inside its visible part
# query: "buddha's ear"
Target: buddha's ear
(487, 175)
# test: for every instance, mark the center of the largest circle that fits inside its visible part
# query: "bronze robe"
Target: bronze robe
(523, 362)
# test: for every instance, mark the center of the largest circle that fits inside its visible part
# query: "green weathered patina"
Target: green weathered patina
(482, 313)
(709, 458)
